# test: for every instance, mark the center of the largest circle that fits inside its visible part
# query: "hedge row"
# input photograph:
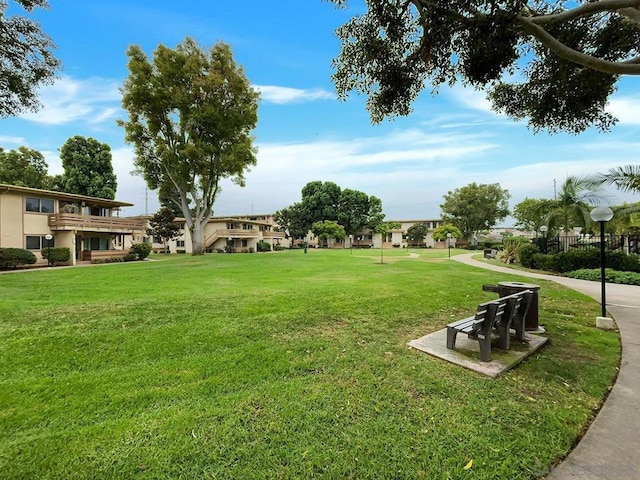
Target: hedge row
(610, 275)
(529, 256)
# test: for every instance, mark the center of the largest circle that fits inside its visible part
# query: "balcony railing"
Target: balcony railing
(92, 223)
(273, 235)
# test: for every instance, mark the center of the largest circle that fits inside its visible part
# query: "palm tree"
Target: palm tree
(625, 178)
(573, 205)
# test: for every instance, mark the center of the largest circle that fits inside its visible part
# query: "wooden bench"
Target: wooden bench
(499, 314)
(490, 253)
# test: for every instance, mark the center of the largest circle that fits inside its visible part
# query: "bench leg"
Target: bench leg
(518, 324)
(485, 348)
(505, 337)
(451, 338)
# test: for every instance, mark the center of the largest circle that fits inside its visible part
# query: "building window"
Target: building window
(38, 242)
(39, 205)
(244, 243)
(180, 243)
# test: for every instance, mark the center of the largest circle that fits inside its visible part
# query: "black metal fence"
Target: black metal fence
(562, 243)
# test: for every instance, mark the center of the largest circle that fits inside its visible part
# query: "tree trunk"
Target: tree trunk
(197, 238)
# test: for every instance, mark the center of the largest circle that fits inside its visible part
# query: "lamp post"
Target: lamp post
(350, 244)
(449, 243)
(49, 237)
(602, 215)
(544, 229)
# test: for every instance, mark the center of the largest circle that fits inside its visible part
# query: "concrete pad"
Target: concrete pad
(467, 351)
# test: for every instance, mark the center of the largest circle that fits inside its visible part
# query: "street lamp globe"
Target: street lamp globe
(601, 214)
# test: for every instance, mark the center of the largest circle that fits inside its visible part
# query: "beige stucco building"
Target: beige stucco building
(238, 233)
(90, 227)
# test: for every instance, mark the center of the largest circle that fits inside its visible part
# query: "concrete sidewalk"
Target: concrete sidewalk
(611, 447)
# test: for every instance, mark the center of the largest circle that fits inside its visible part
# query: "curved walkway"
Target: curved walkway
(611, 447)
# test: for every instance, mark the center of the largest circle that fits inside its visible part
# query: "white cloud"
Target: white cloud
(285, 95)
(469, 97)
(625, 109)
(91, 100)
(5, 139)
(409, 170)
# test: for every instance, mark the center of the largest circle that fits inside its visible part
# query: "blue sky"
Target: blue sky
(304, 133)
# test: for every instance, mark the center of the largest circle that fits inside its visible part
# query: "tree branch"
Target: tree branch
(630, 67)
(585, 10)
(632, 14)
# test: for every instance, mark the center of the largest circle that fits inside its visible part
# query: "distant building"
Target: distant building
(237, 233)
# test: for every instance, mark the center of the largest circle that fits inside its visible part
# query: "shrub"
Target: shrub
(130, 257)
(252, 250)
(12, 257)
(58, 254)
(619, 260)
(264, 246)
(229, 248)
(511, 245)
(140, 250)
(544, 262)
(611, 276)
(577, 259)
(526, 253)
(181, 251)
(277, 247)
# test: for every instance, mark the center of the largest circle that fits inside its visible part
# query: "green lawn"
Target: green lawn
(281, 365)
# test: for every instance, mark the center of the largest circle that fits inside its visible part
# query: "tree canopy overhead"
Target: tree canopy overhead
(565, 57)
(191, 113)
(26, 59)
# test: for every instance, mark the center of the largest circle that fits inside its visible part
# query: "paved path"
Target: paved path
(611, 447)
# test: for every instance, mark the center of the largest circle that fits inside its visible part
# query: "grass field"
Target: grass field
(281, 365)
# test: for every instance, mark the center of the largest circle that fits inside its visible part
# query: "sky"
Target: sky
(304, 132)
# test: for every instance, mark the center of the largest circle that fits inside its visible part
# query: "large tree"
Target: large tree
(475, 207)
(357, 210)
(351, 208)
(24, 167)
(291, 221)
(320, 201)
(87, 168)
(191, 114)
(562, 58)
(26, 59)
(531, 213)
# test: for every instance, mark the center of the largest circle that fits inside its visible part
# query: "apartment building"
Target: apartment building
(90, 227)
(237, 233)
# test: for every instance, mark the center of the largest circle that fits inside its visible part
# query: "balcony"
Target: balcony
(92, 223)
(273, 235)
